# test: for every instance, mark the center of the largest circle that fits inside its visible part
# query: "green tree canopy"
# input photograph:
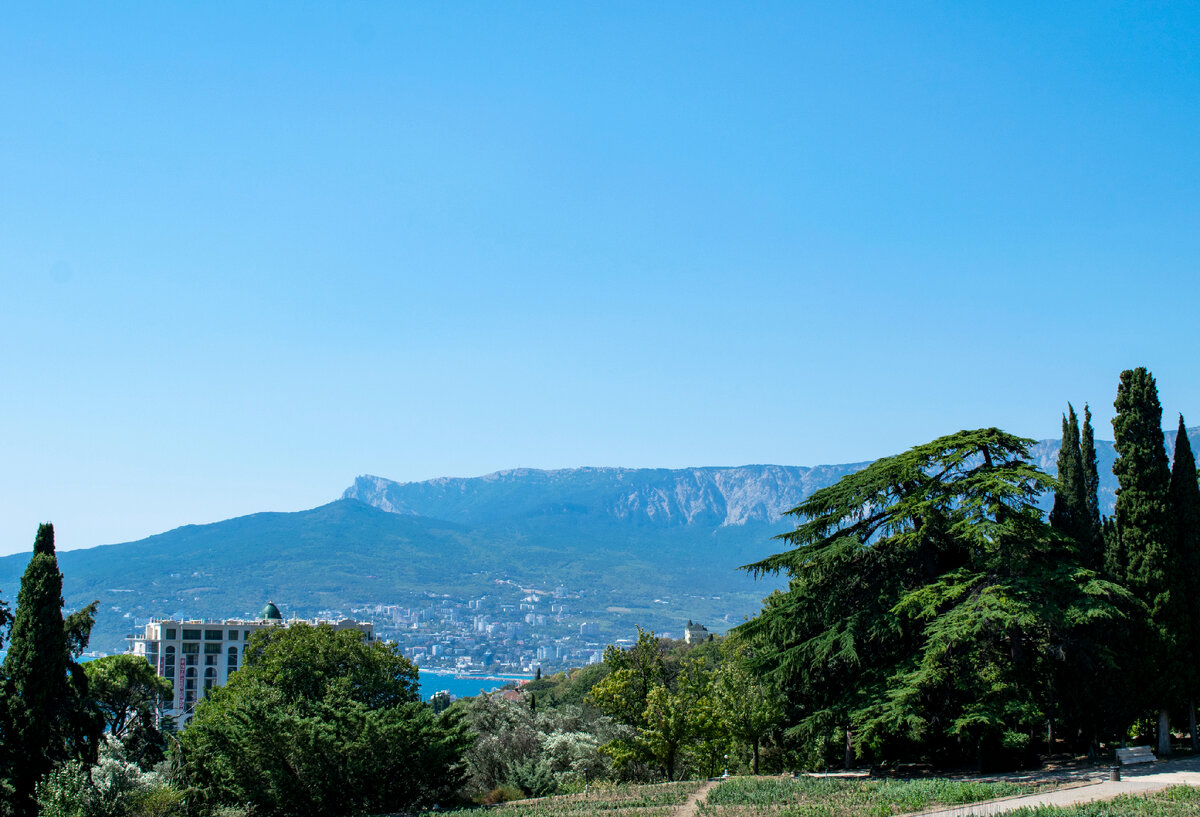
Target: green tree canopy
(1184, 495)
(662, 694)
(928, 605)
(1070, 512)
(748, 707)
(1093, 555)
(319, 723)
(46, 716)
(128, 692)
(1146, 535)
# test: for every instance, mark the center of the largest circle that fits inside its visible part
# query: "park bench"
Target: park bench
(1135, 754)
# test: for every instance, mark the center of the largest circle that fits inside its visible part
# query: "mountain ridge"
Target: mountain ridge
(633, 535)
(719, 496)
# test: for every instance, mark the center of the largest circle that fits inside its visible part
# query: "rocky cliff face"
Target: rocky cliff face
(704, 497)
(709, 497)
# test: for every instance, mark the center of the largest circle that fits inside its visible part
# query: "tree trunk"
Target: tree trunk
(849, 750)
(1050, 736)
(756, 755)
(1164, 733)
(1192, 725)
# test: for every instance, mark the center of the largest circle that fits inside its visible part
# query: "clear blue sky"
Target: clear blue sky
(250, 251)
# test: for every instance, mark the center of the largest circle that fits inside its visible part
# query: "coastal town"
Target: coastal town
(513, 629)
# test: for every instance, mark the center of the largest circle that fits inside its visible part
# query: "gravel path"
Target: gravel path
(692, 806)
(1134, 780)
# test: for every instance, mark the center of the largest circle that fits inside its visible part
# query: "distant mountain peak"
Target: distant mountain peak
(707, 496)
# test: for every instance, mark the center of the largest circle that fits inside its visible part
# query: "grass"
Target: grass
(1177, 801)
(835, 797)
(609, 800)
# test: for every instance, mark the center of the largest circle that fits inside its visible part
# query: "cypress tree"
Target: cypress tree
(1146, 532)
(44, 541)
(1069, 514)
(6, 757)
(1093, 554)
(1185, 511)
(36, 670)
(1114, 555)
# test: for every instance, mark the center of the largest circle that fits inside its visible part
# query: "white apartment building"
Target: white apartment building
(196, 656)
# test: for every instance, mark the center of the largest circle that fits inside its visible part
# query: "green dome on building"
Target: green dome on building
(270, 611)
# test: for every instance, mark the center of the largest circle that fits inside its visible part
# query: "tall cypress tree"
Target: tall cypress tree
(1093, 554)
(1185, 511)
(6, 755)
(36, 670)
(1146, 533)
(1069, 514)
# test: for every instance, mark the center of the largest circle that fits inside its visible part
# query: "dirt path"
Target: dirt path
(689, 808)
(1159, 776)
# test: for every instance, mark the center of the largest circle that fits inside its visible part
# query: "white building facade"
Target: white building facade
(196, 656)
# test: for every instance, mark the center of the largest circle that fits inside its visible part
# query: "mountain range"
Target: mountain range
(658, 545)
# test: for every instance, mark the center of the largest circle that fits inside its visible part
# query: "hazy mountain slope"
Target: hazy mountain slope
(347, 553)
(312, 559)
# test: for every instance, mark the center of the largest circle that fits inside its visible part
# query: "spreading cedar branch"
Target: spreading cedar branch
(929, 603)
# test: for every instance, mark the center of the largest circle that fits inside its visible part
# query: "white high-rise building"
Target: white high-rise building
(196, 656)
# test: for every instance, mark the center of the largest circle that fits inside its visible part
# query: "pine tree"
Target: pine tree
(1185, 511)
(1093, 554)
(36, 670)
(1145, 531)
(928, 607)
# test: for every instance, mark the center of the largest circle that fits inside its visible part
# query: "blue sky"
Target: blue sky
(250, 251)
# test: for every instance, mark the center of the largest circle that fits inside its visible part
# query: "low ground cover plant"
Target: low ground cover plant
(835, 797)
(610, 800)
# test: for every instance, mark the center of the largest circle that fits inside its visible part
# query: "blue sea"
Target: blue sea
(431, 682)
(462, 686)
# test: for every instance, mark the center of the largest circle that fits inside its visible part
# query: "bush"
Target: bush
(114, 787)
(502, 794)
(318, 723)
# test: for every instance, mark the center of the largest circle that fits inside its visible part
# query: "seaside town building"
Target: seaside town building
(695, 633)
(196, 656)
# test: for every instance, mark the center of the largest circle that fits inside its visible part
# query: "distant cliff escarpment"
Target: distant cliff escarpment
(709, 497)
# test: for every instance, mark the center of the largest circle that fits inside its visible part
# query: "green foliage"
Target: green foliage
(127, 692)
(5, 621)
(632, 674)
(317, 722)
(928, 608)
(569, 688)
(537, 752)
(1184, 494)
(749, 708)
(1146, 538)
(685, 707)
(766, 797)
(1142, 509)
(116, 786)
(1093, 554)
(1070, 512)
(662, 701)
(46, 716)
(611, 800)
